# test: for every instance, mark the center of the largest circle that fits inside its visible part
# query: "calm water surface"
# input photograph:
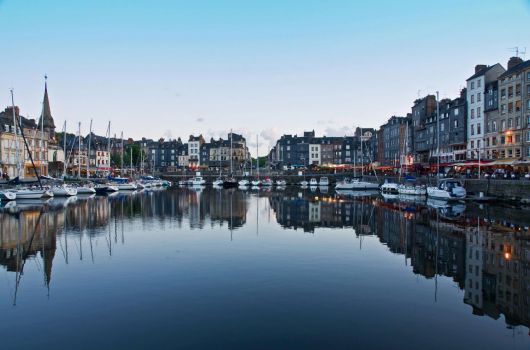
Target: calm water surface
(232, 269)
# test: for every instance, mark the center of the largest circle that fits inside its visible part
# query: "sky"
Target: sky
(163, 68)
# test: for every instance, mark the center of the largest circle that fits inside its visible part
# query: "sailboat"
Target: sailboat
(257, 182)
(219, 181)
(88, 188)
(25, 193)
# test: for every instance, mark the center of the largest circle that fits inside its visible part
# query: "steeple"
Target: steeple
(46, 115)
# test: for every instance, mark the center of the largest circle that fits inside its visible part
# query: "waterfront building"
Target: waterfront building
(475, 107)
(194, 150)
(512, 136)
(393, 144)
(423, 109)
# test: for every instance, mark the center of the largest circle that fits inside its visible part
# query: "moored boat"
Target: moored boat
(447, 189)
(64, 191)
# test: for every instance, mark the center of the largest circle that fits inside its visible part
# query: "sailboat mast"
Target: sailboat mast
(79, 152)
(108, 145)
(231, 155)
(64, 149)
(362, 155)
(257, 156)
(121, 160)
(15, 126)
(43, 152)
(88, 154)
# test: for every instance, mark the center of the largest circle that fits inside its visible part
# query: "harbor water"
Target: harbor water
(263, 269)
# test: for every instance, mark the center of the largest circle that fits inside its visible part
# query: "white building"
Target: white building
(315, 154)
(475, 107)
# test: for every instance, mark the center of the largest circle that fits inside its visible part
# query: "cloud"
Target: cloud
(339, 131)
(199, 120)
(168, 135)
(270, 136)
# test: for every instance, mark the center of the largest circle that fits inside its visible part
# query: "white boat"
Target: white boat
(105, 188)
(304, 183)
(64, 191)
(86, 190)
(244, 183)
(313, 182)
(356, 184)
(140, 185)
(30, 193)
(8, 195)
(256, 183)
(412, 190)
(281, 183)
(197, 181)
(324, 181)
(447, 189)
(129, 186)
(218, 182)
(352, 193)
(390, 188)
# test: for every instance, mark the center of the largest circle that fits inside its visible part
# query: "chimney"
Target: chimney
(480, 67)
(514, 61)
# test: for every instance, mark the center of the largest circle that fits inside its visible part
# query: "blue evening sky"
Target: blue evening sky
(174, 68)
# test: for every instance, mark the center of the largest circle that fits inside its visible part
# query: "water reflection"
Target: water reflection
(485, 250)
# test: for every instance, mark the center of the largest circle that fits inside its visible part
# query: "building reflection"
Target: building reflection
(485, 251)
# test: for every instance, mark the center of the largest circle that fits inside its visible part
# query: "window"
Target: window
(510, 91)
(509, 139)
(528, 89)
(472, 98)
(456, 122)
(528, 105)
(510, 123)
(478, 112)
(503, 109)
(472, 113)
(494, 126)
(478, 143)
(503, 94)
(472, 130)
(510, 107)
(478, 128)
(503, 125)
(494, 141)
(478, 96)
(518, 138)
(518, 90)
(478, 83)
(472, 144)
(472, 85)
(503, 140)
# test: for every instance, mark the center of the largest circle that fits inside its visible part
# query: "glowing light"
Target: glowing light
(507, 256)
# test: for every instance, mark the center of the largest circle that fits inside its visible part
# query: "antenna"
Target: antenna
(518, 51)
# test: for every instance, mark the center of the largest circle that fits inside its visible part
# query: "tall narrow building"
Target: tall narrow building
(46, 114)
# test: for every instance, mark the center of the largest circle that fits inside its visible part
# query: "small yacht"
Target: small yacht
(106, 188)
(30, 193)
(244, 182)
(230, 182)
(390, 187)
(412, 190)
(218, 182)
(356, 184)
(198, 181)
(281, 183)
(8, 195)
(86, 189)
(448, 189)
(324, 181)
(64, 191)
(313, 182)
(256, 182)
(304, 183)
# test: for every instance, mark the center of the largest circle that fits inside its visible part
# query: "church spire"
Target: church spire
(46, 115)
